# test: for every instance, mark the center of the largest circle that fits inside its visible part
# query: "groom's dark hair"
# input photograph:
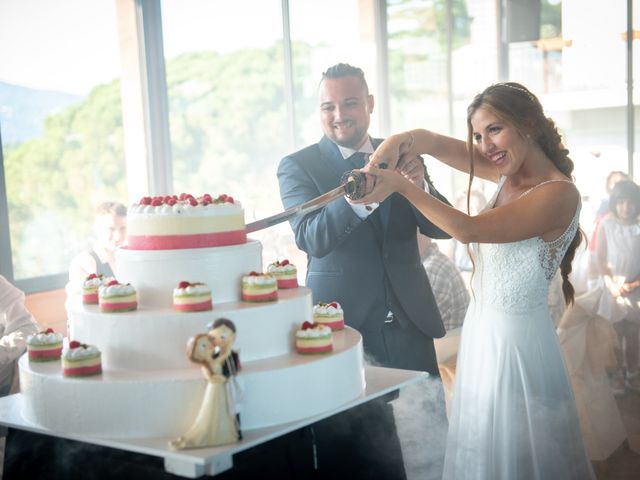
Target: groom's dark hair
(341, 70)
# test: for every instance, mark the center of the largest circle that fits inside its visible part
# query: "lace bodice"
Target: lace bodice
(515, 276)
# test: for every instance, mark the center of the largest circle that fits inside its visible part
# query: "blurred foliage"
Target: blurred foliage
(229, 129)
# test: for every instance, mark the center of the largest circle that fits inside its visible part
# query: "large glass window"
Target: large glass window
(61, 127)
(577, 65)
(227, 110)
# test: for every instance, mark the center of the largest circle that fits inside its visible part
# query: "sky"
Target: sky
(66, 45)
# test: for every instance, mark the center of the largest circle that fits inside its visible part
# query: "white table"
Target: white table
(211, 461)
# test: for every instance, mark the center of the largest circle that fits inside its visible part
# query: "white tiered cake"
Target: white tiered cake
(150, 389)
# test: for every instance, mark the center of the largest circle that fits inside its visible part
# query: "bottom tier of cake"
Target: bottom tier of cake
(154, 404)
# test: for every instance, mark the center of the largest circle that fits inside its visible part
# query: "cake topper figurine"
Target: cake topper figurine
(218, 420)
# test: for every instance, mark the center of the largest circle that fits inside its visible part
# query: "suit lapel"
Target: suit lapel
(332, 158)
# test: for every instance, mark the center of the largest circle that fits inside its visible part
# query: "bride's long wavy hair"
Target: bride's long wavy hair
(516, 105)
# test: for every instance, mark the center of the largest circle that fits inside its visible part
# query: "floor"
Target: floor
(624, 464)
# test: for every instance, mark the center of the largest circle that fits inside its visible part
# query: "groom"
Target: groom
(367, 259)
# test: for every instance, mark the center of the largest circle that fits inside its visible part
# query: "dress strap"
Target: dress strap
(544, 183)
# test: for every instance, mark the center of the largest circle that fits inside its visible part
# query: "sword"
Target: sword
(351, 185)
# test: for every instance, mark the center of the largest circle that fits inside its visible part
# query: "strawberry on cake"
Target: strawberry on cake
(192, 297)
(90, 287)
(329, 314)
(81, 360)
(259, 287)
(175, 222)
(285, 272)
(117, 297)
(314, 338)
(45, 346)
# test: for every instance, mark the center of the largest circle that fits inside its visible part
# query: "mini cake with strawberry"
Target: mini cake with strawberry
(285, 272)
(90, 288)
(259, 287)
(45, 346)
(329, 314)
(192, 297)
(117, 297)
(184, 221)
(314, 338)
(81, 360)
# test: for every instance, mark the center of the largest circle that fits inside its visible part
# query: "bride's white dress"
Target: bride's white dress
(514, 415)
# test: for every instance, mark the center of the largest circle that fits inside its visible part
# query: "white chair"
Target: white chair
(588, 342)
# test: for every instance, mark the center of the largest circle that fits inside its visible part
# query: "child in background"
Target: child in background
(618, 261)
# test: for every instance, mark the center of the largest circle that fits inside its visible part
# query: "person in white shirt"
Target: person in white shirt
(16, 324)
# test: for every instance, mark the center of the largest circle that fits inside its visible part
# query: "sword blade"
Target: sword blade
(302, 209)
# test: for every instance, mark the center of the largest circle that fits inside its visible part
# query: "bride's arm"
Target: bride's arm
(448, 150)
(545, 211)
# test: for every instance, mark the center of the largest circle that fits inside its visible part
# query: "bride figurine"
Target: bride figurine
(217, 422)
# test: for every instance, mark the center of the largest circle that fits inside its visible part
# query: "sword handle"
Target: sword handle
(353, 183)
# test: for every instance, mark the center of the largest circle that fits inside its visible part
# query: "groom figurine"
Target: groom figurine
(366, 258)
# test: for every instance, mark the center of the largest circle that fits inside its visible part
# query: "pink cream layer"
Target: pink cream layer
(82, 371)
(176, 242)
(265, 297)
(44, 355)
(287, 283)
(118, 306)
(90, 298)
(193, 307)
(322, 349)
(337, 325)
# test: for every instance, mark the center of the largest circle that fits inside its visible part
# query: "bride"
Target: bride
(514, 415)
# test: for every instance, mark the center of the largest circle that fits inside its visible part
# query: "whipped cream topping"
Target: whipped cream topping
(117, 290)
(315, 332)
(200, 289)
(259, 280)
(327, 309)
(95, 282)
(183, 208)
(80, 352)
(44, 338)
(288, 268)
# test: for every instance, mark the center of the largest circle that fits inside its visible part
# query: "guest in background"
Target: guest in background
(16, 324)
(603, 209)
(618, 261)
(447, 284)
(110, 230)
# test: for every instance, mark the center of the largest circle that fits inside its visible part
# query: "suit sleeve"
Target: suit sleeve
(319, 232)
(426, 227)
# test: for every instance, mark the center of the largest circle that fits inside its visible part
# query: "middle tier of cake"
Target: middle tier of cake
(156, 338)
(155, 273)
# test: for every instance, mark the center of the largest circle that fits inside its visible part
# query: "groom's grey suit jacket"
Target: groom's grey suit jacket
(350, 258)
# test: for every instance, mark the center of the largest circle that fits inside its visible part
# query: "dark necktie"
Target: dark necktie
(358, 159)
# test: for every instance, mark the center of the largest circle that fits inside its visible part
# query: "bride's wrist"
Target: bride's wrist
(406, 141)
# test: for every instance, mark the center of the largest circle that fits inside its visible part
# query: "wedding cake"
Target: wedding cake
(148, 388)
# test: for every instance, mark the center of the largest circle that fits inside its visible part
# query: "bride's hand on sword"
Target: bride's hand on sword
(381, 182)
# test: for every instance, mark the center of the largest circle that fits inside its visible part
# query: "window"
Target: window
(61, 126)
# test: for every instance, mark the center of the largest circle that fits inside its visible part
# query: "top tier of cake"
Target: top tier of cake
(176, 222)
